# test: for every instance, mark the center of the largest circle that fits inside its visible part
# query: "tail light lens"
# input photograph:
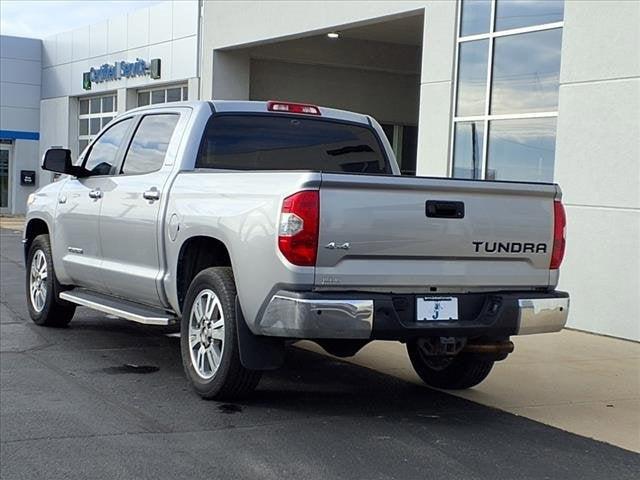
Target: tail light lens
(298, 229)
(289, 107)
(559, 234)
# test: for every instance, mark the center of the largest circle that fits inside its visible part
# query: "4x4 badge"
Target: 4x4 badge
(337, 246)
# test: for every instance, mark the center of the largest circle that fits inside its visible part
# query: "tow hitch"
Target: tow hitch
(452, 346)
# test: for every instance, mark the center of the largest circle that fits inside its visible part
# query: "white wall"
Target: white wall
(229, 25)
(20, 67)
(376, 78)
(390, 98)
(167, 31)
(598, 164)
(26, 156)
(20, 74)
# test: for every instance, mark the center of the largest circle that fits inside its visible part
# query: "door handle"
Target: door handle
(152, 194)
(95, 194)
(444, 209)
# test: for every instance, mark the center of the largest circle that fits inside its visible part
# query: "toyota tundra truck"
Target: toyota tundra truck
(251, 225)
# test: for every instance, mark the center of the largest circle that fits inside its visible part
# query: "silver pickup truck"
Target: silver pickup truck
(253, 224)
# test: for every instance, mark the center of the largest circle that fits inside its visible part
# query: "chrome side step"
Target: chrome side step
(120, 308)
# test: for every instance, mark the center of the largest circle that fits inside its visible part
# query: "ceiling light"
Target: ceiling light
(333, 35)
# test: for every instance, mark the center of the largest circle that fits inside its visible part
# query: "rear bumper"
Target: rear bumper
(320, 315)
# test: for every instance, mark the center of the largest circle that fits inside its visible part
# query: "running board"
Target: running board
(120, 308)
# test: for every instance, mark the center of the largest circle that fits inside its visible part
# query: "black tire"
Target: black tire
(54, 312)
(460, 372)
(231, 380)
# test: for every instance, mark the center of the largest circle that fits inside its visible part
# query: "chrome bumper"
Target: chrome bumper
(542, 315)
(322, 316)
(288, 315)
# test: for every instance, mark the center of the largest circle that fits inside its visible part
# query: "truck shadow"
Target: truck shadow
(308, 383)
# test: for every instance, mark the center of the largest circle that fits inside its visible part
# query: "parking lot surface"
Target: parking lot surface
(107, 399)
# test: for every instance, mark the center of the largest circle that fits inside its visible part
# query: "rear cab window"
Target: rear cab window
(284, 142)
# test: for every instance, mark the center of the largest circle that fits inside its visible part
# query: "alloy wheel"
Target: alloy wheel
(206, 334)
(38, 281)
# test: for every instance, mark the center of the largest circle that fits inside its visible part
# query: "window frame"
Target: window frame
(486, 117)
(89, 137)
(132, 135)
(181, 86)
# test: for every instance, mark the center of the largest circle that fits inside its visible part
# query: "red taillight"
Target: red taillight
(298, 228)
(289, 107)
(559, 235)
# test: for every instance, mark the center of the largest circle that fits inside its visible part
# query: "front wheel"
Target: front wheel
(45, 308)
(209, 341)
(449, 373)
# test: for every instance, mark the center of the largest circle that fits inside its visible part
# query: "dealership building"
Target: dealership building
(487, 89)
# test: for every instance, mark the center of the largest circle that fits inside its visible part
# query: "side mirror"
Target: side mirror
(59, 160)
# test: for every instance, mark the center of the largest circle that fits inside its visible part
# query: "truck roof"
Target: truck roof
(257, 107)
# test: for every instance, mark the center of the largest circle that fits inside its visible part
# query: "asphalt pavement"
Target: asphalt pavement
(107, 399)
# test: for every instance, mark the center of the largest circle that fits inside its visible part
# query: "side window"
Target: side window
(149, 145)
(104, 152)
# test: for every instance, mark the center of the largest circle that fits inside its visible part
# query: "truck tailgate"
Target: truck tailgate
(415, 234)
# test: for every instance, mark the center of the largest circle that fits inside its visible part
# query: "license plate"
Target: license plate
(435, 309)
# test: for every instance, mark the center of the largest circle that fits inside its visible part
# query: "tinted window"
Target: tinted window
(467, 149)
(157, 96)
(149, 145)
(107, 104)
(173, 94)
(522, 149)
(251, 142)
(143, 99)
(476, 16)
(516, 13)
(84, 107)
(472, 77)
(526, 71)
(95, 105)
(409, 150)
(104, 151)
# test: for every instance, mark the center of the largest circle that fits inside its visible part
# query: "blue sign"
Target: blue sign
(118, 70)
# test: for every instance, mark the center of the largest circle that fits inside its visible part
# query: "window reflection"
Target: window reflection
(526, 70)
(103, 153)
(468, 147)
(150, 144)
(472, 78)
(522, 149)
(525, 13)
(476, 16)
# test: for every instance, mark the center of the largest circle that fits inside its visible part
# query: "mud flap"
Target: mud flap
(257, 352)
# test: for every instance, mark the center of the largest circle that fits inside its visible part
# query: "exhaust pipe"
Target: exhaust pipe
(496, 348)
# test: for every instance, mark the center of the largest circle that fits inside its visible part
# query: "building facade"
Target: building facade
(20, 76)
(486, 89)
(91, 74)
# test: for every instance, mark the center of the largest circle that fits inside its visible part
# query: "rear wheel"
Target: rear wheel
(45, 308)
(454, 373)
(209, 341)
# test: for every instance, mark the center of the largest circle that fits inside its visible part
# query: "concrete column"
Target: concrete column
(231, 75)
(131, 99)
(125, 100)
(74, 126)
(597, 164)
(193, 86)
(436, 84)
